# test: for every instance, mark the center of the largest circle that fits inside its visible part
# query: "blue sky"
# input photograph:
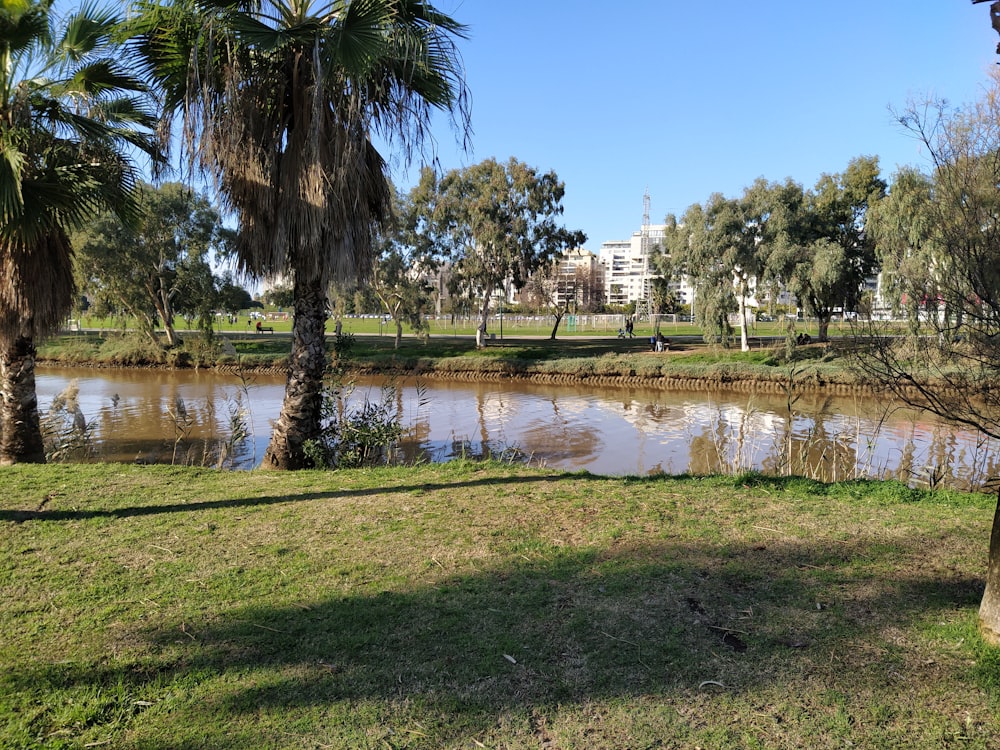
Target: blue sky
(691, 98)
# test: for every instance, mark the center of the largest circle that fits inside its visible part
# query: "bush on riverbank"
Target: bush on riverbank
(464, 605)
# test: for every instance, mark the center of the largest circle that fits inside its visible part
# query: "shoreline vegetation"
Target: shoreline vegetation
(689, 363)
(488, 605)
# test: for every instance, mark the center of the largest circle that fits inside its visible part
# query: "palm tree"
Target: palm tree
(70, 120)
(280, 100)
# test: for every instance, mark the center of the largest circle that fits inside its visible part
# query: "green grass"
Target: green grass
(482, 605)
(583, 358)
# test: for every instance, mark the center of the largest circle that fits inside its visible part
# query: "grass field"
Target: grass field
(487, 606)
(512, 326)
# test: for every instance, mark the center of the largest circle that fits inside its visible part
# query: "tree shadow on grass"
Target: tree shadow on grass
(157, 507)
(571, 626)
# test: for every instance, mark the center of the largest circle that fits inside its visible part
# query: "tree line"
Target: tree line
(774, 237)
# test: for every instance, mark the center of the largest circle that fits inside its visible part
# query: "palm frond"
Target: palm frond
(85, 30)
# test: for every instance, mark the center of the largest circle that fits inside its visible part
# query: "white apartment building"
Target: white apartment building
(628, 271)
(580, 279)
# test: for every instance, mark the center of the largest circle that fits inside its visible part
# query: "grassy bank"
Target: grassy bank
(468, 605)
(590, 358)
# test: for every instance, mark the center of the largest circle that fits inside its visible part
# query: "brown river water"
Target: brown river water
(183, 416)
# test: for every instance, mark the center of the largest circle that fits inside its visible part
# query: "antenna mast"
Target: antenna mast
(643, 306)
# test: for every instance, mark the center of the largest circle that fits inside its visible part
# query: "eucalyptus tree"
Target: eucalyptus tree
(497, 224)
(827, 253)
(279, 102)
(912, 254)
(939, 235)
(159, 264)
(72, 122)
(684, 252)
(723, 248)
(401, 272)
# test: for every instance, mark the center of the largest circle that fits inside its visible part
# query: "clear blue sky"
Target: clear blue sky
(691, 98)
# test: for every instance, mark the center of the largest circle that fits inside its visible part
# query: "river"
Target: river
(162, 416)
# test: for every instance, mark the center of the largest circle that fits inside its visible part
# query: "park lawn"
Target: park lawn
(535, 326)
(470, 605)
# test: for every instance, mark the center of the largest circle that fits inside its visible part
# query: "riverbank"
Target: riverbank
(687, 364)
(485, 605)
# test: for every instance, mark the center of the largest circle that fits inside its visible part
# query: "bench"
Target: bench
(265, 329)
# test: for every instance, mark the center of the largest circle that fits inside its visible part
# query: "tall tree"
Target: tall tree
(940, 236)
(828, 254)
(910, 251)
(402, 267)
(145, 267)
(71, 118)
(279, 100)
(499, 224)
(723, 247)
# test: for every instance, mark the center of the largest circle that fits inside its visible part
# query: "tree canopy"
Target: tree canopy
(497, 224)
(159, 264)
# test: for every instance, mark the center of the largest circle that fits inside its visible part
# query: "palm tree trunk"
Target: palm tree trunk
(20, 430)
(301, 409)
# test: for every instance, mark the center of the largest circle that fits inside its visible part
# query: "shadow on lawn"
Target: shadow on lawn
(555, 625)
(574, 626)
(157, 507)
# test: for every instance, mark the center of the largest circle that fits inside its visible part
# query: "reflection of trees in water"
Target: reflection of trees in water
(705, 455)
(794, 443)
(736, 439)
(206, 431)
(617, 431)
(967, 464)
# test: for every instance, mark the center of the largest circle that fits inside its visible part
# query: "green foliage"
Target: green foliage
(827, 251)
(401, 273)
(496, 222)
(353, 435)
(71, 118)
(233, 298)
(158, 265)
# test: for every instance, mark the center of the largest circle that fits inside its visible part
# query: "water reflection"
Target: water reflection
(187, 417)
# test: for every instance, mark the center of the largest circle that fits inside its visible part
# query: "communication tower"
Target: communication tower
(642, 305)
